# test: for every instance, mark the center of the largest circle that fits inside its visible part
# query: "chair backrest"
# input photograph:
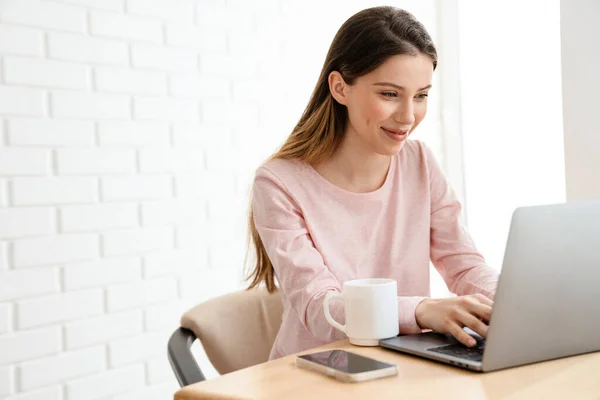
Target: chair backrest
(237, 330)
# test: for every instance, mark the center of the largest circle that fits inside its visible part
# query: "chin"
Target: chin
(391, 150)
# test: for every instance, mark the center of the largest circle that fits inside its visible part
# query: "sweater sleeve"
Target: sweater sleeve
(302, 274)
(299, 267)
(453, 252)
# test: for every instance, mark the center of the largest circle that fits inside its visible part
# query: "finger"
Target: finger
(484, 300)
(474, 324)
(481, 311)
(462, 336)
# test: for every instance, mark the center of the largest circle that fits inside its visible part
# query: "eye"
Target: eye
(389, 94)
(422, 96)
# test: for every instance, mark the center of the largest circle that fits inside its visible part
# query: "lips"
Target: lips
(396, 131)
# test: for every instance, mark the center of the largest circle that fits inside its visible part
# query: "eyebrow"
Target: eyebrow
(397, 86)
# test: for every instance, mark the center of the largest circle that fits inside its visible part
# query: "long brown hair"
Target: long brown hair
(364, 42)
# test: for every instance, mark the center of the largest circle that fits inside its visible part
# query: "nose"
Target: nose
(405, 113)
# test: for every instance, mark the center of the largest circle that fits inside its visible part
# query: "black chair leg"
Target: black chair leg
(182, 361)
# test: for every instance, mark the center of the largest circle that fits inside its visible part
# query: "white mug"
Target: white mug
(371, 308)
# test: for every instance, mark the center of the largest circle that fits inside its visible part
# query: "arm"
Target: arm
(299, 267)
(302, 274)
(453, 252)
(454, 255)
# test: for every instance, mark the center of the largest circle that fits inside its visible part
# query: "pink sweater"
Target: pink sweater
(319, 235)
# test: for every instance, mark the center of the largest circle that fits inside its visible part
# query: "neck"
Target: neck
(355, 167)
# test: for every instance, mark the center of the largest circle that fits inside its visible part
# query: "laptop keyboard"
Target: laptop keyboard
(461, 351)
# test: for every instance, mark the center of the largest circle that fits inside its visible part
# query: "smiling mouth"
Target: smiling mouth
(395, 131)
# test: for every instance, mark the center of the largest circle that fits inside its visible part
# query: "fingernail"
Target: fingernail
(472, 342)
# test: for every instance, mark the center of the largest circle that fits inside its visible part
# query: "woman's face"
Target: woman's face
(387, 104)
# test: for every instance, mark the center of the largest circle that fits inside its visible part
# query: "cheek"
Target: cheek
(362, 111)
(375, 111)
(420, 112)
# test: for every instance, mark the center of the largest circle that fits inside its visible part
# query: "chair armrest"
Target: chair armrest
(182, 361)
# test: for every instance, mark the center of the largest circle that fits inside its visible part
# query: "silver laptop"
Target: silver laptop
(546, 303)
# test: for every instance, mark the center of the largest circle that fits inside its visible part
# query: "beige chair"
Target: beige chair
(236, 330)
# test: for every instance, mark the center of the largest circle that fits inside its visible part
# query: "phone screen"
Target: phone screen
(344, 361)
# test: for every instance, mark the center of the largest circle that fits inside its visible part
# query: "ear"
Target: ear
(338, 87)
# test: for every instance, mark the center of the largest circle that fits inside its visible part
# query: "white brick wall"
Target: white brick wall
(68, 365)
(98, 217)
(36, 72)
(183, 13)
(135, 349)
(154, 392)
(137, 187)
(29, 344)
(88, 105)
(15, 161)
(111, 5)
(232, 20)
(156, 213)
(46, 15)
(190, 36)
(108, 383)
(55, 249)
(163, 315)
(123, 80)
(22, 101)
(133, 134)
(53, 190)
(49, 393)
(28, 282)
(6, 380)
(158, 371)
(163, 58)
(19, 40)
(20, 222)
(102, 329)
(185, 85)
(5, 318)
(189, 185)
(176, 160)
(3, 203)
(95, 161)
(123, 27)
(173, 263)
(137, 240)
(129, 133)
(85, 49)
(139, 294)
(59, 308)
(163, 108)
(99, 273)
(42, 132)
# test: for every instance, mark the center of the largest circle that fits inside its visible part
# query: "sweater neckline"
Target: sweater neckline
(364, 195)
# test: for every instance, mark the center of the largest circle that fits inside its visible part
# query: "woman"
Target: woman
(349, 196)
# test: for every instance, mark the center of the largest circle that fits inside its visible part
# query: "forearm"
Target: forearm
(477, 279)
(406, 314)
(314, 318)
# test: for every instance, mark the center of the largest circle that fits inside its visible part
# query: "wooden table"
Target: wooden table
(572, 378)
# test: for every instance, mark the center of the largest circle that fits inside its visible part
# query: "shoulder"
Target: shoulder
(281, 172)
(289, 176)
(278, 185)
(280, 168)
(415, 152)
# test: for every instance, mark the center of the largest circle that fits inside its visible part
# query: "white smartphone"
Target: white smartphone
(346, 366)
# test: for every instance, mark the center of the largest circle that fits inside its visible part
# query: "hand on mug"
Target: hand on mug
(453, 314)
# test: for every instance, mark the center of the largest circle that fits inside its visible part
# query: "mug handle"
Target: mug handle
(328, 317)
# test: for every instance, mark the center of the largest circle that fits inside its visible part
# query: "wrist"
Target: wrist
(421, 312)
